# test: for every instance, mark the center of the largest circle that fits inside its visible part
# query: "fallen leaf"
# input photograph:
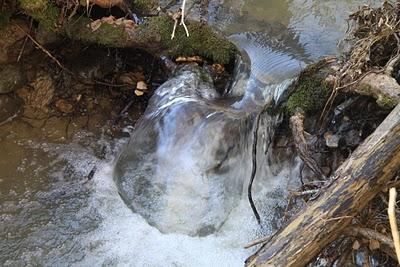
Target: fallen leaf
(356, 245)
(196, 59)
(64, 106)
(141, 86)
(138, 93)
(374, 244)
(95, 25)
(218, 68)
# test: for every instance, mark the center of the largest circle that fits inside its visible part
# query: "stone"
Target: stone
(331, 140)
(45, 36)
(39, 94)
(12, 37)
(9, 107)
(12, 77)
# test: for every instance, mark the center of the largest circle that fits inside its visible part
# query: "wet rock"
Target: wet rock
(87, 65)
(9, 107)
(45, 36)
(331, 140)
(39, 94)
(353, 138)
(12, 77)
(12, 37)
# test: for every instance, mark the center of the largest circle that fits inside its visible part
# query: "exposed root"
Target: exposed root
(297, 127)
(375, 48)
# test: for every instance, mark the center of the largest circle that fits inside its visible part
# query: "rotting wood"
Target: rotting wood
(355, 183)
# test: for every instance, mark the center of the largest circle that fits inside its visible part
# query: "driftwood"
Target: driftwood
(354, 184)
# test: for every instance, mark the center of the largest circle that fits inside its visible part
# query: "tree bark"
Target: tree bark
(354, 184)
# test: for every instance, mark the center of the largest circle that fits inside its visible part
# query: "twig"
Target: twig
(254, 161)
(24, 43)
(254, 168)
(183, 18)
(259, 241)
(307, 192)
(173, 31)
(44, 50)
(393, 221)
(9, 119)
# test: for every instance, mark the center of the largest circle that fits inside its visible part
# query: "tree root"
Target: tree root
(298, 133)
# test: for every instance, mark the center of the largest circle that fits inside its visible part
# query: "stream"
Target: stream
(190, 154)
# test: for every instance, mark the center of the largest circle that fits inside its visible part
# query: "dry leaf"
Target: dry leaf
(356, 245)
(95, 25)
(196, 59)
(374, 244)
(141, 86)
(64, 106)
(138, 93)
(218, 68)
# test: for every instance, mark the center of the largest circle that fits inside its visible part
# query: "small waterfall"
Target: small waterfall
(188, 160)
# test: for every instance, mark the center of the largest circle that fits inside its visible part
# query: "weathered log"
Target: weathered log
(354, 184)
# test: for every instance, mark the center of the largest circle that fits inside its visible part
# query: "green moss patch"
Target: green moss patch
(43, 11)
(203, 40)
(311, 92)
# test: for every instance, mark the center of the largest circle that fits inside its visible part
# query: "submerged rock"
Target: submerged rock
(9, 107)
(184, 167)
(12, 77)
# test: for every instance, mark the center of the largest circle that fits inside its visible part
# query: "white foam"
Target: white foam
(126, 239)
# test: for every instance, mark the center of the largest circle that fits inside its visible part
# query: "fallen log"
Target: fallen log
(354, 184)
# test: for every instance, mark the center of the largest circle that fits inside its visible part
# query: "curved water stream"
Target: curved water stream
(50, 216)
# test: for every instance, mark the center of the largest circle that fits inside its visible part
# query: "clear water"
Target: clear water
(51, 215)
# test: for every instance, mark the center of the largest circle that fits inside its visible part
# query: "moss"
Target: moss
(311, 92)
(33, 5)
(155, 35)
(386, 101)
(41, 10)
(106, 34)
(145, 5)
(203, 40)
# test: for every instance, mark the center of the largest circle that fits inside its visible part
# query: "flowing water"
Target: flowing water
(189, 154)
